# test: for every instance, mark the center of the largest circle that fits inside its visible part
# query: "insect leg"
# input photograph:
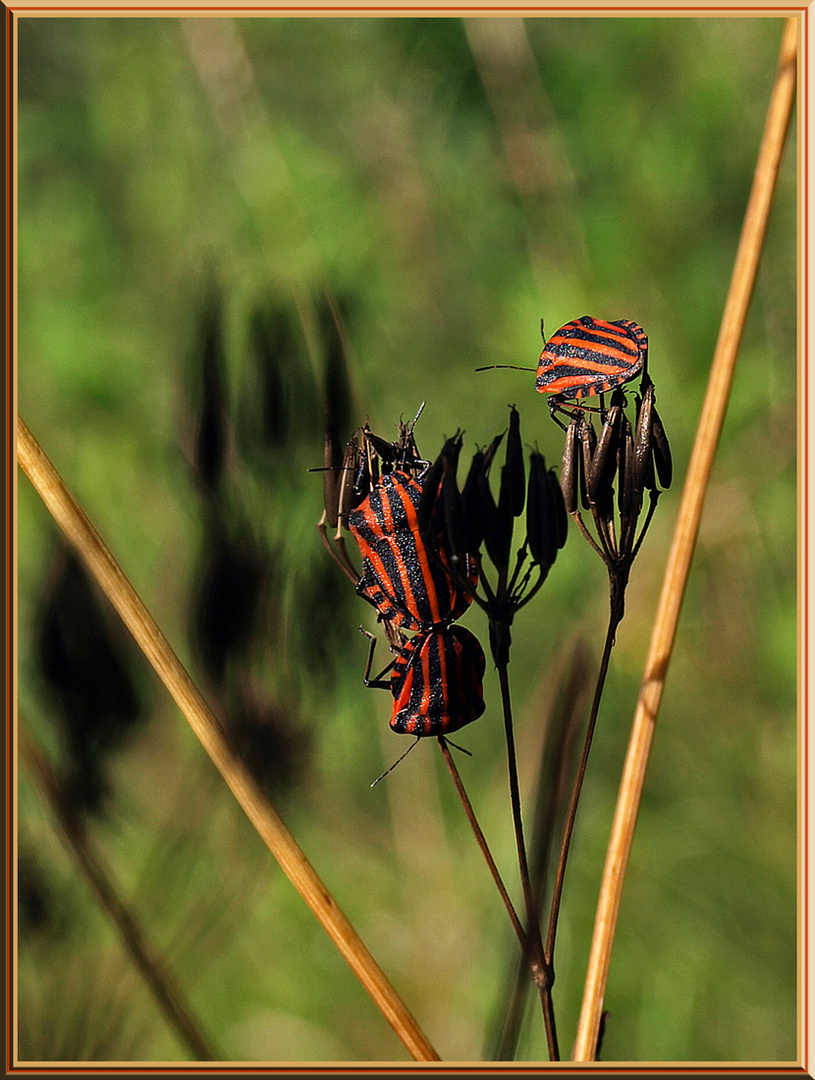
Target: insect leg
(378, 683)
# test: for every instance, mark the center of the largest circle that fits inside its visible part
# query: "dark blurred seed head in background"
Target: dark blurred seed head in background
(87, 664)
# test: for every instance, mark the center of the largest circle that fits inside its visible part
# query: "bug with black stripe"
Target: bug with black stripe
(589, 356)
(436, 681)
(437, 674)
(584, 358)
(403, 581)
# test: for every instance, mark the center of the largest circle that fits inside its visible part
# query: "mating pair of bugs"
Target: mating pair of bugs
(436, 678)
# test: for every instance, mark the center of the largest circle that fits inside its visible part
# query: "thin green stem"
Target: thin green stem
(482, 843)
(541, 971)
(568, 829)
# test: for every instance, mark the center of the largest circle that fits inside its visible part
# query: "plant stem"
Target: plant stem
(541, 971)
(685, 534)
(568, 828)
(482, 843)
(78, 529)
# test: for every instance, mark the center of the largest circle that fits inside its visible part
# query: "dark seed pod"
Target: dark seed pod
(542, 527)
(471, 505)
(630, 495)
(588, 439)
(229, 588)
(450, 454)
(491, 451)
(494, 531)
(625, 469)
(88, 674)
(430, 514)
(649, 479)
(570, 467)
(662, 451)
(604, 460)
(515, 463)
(505, 513)
(453, 520)
(354, 483)
(643, 440)
(431, 486)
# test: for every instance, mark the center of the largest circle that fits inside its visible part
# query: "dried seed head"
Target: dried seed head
(546, 518)
(453, 512)
(428, 504)
(405, 446)
(450, 453)
(625, 458)
(588, 440)
(453, 521)
(470, 504)
(431, 512)
(600, 480)
(491, 451)
(662, 451)
(332, 475)
(570, 466)
(493, 528)
(515, 479)
(643, 441)
(354, 483)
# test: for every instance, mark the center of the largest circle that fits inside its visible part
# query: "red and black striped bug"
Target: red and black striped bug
(589, 356)
(437, 675)
(585, 357)
(436, 682)
(405, 583)
(348, 479)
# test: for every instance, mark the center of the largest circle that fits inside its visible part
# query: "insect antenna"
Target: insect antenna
(510, 367)
(449, 742)
(400, 758)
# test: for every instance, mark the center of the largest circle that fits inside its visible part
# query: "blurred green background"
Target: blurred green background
(196, 189)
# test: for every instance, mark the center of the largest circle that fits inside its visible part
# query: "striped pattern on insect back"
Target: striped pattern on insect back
(590, 356)
(437, 682)
(399, 577)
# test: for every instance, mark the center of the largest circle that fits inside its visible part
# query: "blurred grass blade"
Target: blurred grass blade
(566, 683)
(158, 978)
(684, 541)
(84, 537)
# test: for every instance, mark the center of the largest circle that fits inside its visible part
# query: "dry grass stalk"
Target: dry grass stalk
(684, 541)
(83, 536)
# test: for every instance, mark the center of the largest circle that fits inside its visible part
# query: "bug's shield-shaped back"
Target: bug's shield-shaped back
(400, 577)
(437, 682)
(591, 356)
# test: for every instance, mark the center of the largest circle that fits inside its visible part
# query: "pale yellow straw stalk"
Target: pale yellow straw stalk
(73, 521)
(685, 533)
